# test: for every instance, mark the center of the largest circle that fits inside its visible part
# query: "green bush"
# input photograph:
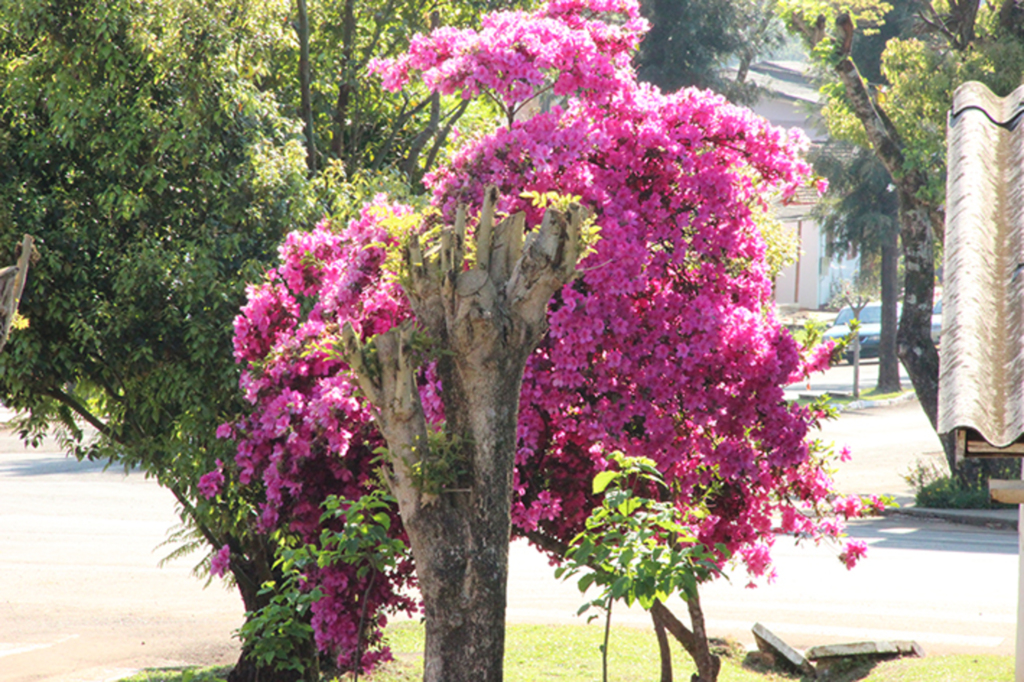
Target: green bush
(935, 489)
(946, 493)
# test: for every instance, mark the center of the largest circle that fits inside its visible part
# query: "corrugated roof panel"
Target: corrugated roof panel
(981, 375)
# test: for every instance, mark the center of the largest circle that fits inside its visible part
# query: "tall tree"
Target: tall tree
(665, 345)
(155, 152)
(903, 122)
(157, 179)
(861, 212)
(693, 43)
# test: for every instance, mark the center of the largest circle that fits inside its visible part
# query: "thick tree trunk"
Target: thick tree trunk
(460, 539)
(914, 341)
(888, 361)
(485, 322)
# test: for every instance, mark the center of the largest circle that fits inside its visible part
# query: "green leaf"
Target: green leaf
(603, 479)
(586, 581)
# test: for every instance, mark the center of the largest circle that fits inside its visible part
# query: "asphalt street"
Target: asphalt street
(83, 598)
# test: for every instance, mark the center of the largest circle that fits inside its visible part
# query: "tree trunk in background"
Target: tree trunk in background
(888, 362)
(345, 87)
(305, 78)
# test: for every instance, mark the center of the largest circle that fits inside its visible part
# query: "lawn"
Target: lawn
(569, 653)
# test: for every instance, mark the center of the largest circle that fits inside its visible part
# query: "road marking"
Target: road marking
(864, 633)
(10, 649)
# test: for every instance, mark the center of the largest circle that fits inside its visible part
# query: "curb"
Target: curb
(986, 518)
(866, 404)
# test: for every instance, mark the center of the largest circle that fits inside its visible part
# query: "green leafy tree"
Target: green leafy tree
(157, 153)
(691, 43)
(355, 123)
(157, 178)
(903, 121)
(860, 212)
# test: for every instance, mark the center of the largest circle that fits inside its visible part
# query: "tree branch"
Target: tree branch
(80, 409)
(442, 136)
(880, 130)
(400, 122)
(938, 24)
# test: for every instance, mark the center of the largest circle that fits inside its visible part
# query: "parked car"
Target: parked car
(870, 329)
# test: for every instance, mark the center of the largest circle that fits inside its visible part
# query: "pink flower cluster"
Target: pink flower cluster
(516, 54)
(667, 346)
(309, 435)
(210, 484)
(854, 552)
(220, 561)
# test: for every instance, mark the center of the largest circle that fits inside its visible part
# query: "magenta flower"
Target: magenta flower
(221, 561)
(854, 552)
(210, 483)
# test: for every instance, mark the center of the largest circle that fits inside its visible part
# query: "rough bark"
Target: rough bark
(888, 361)
(914, 339)
(485, 321)
(914, 344)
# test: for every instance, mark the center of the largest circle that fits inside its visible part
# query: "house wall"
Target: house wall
(809, 282)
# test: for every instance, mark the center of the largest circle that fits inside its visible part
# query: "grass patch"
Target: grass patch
(987, 668)
(869, 394)
(569, 653)
(840, 400)
(189, 674)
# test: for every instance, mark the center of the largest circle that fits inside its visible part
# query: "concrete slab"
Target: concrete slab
(783, 654)
(826, 656)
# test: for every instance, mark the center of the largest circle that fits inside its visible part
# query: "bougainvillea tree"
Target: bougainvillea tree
(663, 344)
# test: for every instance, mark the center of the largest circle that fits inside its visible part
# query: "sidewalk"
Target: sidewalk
(997, 519)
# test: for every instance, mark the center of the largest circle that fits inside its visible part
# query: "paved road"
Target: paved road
(839, 379)
(82, 598)
(951, 588)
